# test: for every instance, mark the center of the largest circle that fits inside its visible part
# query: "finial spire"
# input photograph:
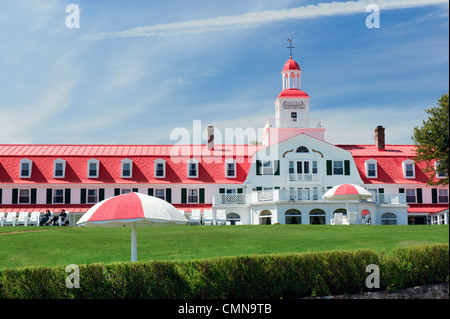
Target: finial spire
(290, 47)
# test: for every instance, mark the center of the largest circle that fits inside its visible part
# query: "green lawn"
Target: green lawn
(75, 245)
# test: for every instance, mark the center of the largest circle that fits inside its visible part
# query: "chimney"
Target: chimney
(379, 138)
(210, 137)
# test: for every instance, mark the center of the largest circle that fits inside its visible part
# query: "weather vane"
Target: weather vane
(290, 47)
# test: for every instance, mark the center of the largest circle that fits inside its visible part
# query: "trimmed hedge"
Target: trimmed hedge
(256, 276)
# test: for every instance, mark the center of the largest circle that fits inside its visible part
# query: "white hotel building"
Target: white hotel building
(280, 181)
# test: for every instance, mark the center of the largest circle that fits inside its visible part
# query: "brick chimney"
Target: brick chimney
(210, 137)
(379, 138)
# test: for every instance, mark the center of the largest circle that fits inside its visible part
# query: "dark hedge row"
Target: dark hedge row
(259, 276)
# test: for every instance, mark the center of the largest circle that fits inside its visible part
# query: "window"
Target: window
(25, 168)
(338, 168)
(125, 191)
(58, 196)
(408, 169)
(24, 196)
(92, 196)
(388, 219)
(302, 149)
(127, 168)
(410, 195)
(160, 193)
(443, 195)
(267, 168)
(59, 168)
(192, 168)
(440, 173)
(192, 195)
(93, 168)
(294, 116)
(371, 168)
(293, 216)
(230, 168)
(160, 168)
(314, 167)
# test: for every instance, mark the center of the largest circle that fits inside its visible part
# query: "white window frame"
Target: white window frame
(97, 167)
(367, 166)
(24, 196)
(436, 168)
(162, 162)
(267, 170)
(334, 168)
(230, 162)
(30, 166)
(161, 191)
(60, 196)
(96, 196)
(190, 162)
(406, 195)
(124, 162)
(125, 191)
(405, 165)
(442, 196)
(63, 163)
(191, 196)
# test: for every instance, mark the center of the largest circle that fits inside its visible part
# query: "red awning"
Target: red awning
(427, 208)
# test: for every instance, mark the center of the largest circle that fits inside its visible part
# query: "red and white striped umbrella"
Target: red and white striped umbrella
(135, 210)
(347, 192)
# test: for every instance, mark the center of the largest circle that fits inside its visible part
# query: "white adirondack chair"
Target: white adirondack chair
(62, 220)
(10, 219)
(2, 217)
(221, 218)
(337, 219)
(34, 218)
(22, 219)
(195, 217)
(352, 218)
(207, 217)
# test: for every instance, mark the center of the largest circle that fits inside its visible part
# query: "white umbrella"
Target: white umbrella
(347, 192)
(134, 210)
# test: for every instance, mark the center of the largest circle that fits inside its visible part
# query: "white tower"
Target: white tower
(291, 110)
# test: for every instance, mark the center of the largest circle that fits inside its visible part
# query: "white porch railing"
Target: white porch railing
(305, 177)
(389, 199)
(230, 199)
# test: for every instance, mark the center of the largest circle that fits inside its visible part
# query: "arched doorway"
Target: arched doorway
(317, 217)
(233, 218)
(293, 216)
(265, 217)
(388, 219)
(343, 211)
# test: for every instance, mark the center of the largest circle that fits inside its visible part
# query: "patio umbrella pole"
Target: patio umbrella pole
(133, 242)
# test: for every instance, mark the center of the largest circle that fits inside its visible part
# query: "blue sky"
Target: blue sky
(135, 70)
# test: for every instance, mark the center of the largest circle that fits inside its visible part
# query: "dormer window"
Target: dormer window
(408, 169)
(371, 168)
(127, 168)
(230, 168)
(160, 168)
(25, 168)
(93, 168)
(59, 168)
(192, 168)
(440, 173)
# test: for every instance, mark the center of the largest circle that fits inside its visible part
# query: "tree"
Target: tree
(432, 142)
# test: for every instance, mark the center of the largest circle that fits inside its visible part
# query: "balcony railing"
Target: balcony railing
(305, 177)
(294, 123)
(297, 195)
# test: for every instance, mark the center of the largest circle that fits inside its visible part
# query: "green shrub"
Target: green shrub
(255, 276)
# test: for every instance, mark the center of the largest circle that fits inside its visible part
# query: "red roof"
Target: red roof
(211, 164)
(427, 208)
(293, 93)
(291, 65)
(389, 163)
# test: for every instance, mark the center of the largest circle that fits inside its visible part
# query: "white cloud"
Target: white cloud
(256, 18)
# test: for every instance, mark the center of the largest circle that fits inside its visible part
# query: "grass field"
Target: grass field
(30, 246)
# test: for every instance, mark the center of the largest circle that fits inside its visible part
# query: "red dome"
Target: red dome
(291, 65)
(293, 93)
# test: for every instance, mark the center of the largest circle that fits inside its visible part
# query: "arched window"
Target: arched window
(302, 149)
(317, 217)
(293, 216)
(388, 219)
(343, 211)
(265, 217)
(233, 218)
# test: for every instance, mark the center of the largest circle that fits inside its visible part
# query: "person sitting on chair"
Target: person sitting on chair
(45, 217)
(62, 215)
